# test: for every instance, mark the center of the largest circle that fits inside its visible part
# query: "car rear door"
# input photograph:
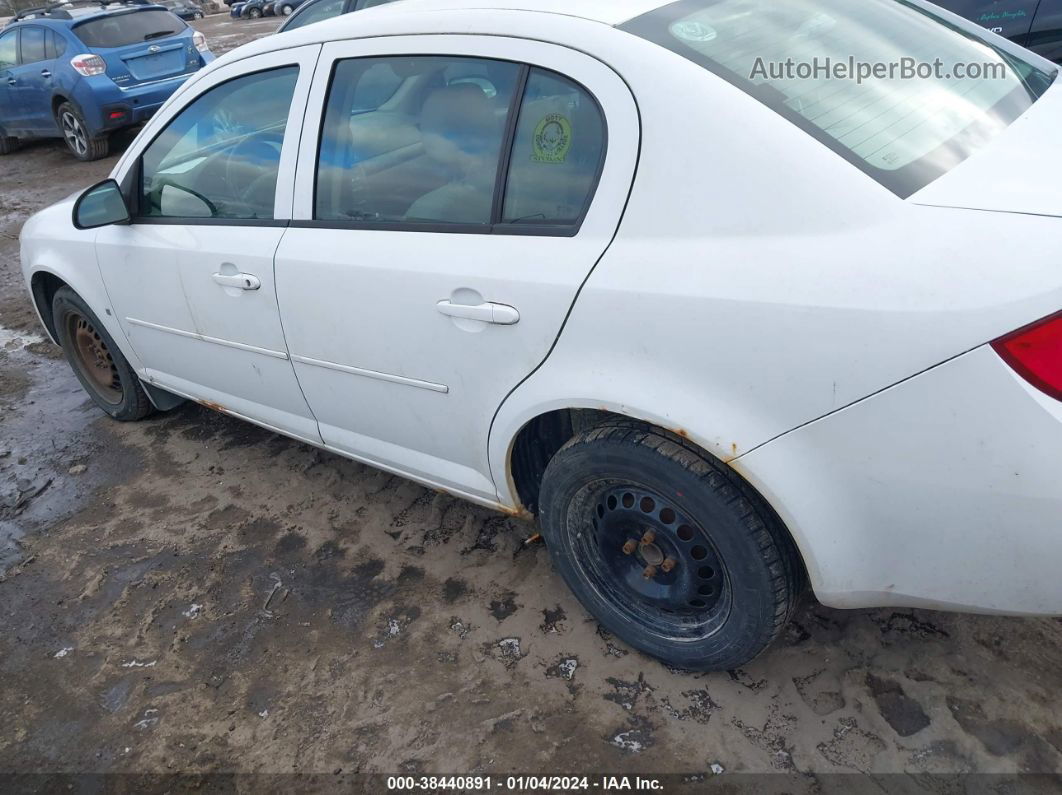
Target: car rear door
(416, 292)
(35, 78)
(191, 278)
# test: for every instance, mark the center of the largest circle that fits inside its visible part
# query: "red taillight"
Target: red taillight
(88, 65)
(1035, 352)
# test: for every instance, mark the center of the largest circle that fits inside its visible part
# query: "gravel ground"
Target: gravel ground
(192, 594)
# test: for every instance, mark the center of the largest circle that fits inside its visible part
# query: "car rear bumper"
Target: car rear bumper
(944, 491)
(101, 99)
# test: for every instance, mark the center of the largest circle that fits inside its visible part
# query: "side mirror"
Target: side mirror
(101, 205)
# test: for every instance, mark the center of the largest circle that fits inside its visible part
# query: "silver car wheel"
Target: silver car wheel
(74, 133)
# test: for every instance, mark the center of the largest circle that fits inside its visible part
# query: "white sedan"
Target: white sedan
(725, 329)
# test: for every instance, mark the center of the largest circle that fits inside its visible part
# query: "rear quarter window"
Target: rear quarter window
(121, 30)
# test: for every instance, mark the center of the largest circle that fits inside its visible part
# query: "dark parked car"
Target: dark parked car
(185, 9)
(285, 8)
(316, 10)
(252, 9)
(1036, 24)
(79, 71)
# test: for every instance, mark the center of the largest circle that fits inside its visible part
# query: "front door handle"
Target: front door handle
(241, 281)
(12, 81)
(45, 73)
(498, 314)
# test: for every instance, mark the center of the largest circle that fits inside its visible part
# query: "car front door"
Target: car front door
(447, 210)
(10, 111)
(191, 278)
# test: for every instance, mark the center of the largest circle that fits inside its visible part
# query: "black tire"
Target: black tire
(197, 15)
(254, 13)
(735, 575)
(77, 137)
(8, 144)
(79, 331)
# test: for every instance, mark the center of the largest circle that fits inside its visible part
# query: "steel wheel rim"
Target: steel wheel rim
(690, 601)
(74, 133)
(94, 360)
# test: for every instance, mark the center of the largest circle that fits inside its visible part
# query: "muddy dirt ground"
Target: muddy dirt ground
(192, 594)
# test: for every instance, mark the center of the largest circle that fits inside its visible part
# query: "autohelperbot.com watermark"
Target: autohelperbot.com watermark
(859, 71)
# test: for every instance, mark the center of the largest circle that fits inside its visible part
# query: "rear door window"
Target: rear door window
(33, 44)
(424, 153)
(121, 30)
(457, 144)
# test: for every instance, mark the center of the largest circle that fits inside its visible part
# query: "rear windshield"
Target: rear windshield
(119, 30)
(889, 86)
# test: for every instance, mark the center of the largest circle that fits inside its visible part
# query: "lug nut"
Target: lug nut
(668, 565)
(629, 547)
(649, 573)
(649, 537)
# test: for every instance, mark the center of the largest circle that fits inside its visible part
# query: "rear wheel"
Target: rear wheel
(286, 10)
(666, 549)
(98, 364)
(254, 13)
(76, 135)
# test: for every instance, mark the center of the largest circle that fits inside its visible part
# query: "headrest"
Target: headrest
(463, 115)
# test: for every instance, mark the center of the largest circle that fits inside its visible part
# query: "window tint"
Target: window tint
(557, 152)
(9, 49)
(55, 45)
(903, 132)
(32, 44)
(315, 12)
(413, 140)
(220, 157)
(119, 30)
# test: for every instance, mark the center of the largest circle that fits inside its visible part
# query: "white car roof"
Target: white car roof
(610, 12)
(449, 16)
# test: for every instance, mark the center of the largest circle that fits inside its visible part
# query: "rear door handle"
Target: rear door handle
(241, 281)
(498, 314)
(45, 73)
(12, 81)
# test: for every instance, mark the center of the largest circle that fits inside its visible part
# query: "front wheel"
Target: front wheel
(666, 549)
(98, 364)
(8, 143)
(286, 10)
(254, 13)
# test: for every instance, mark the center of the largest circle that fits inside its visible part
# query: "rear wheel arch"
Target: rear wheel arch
(57, 101)
(542, 437)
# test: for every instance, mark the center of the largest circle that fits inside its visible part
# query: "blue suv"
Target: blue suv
(81, 70)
